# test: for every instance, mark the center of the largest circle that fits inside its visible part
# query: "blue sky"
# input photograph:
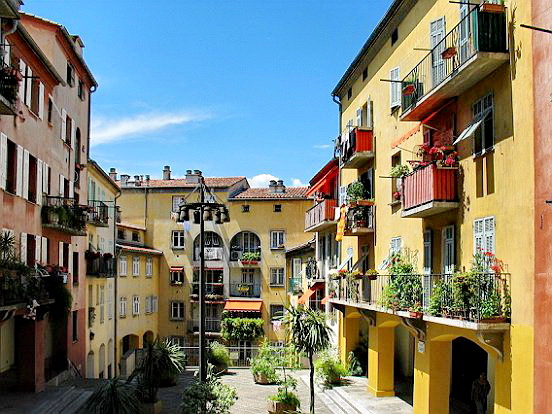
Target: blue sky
(228, 87)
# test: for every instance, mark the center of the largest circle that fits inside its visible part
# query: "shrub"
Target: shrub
(213, 395)
(265, 363)
(219, 356)
(242, 329)
(114, 397)
(329, 369)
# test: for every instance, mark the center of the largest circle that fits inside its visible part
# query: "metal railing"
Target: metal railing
(246, 290)
(468, 296)
(97, 213)
(477, 32)
(100, 266)
(9, 83)
(20, 288)
(239, 356)
(64, 214)
(429, 183)
(211, 325)
(216, 289)
(360, 217)
(321, 212)
(211, 253)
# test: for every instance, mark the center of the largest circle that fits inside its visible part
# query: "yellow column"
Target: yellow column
(349, 332)
(381, 355)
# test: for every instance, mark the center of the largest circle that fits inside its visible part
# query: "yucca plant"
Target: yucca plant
(114, 397)
(310, 334)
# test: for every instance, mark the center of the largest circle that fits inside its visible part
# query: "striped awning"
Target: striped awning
(243, 305)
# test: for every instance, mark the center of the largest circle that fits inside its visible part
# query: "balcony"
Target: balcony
(214, 292)
(9, 85)
(245, 290)
(360, 220)
(357, 147)
(320, 216)
(20, 287)
(470, 52)
(211, 253)
(467, 300)
(429, 190)
(97, 213)
(65, 215)
(99, 265)
(212, 326)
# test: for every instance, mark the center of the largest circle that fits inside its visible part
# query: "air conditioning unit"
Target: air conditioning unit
(235, 254)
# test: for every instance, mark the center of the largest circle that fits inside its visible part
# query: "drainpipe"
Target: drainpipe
(115, 296)
(336, 99)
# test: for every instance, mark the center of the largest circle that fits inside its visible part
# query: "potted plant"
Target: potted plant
(114, 397)
(399, 171)
(219, 357)
(415, 311)
(250, 258)
(329, 369)
(356, 192)
(372, 274)
(493, 7)
(285, 400)
(263, 365)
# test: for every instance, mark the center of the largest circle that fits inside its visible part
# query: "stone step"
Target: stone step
(67, 402)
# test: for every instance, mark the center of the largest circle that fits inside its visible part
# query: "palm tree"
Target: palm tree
(310, 334)
(114, 397)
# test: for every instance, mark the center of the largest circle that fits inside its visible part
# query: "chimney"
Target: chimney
(272, 186)
(124, 180)
(280, 187)
(113, 174)
(192, 177)
(167, 172)
(137, 180)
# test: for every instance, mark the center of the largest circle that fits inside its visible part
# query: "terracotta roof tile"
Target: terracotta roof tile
(213, 182)
(266, 193)
(131, 226)
(139, 249)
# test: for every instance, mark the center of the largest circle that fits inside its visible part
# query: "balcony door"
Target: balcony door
(438, 45)
(448, 250)
(465, 32)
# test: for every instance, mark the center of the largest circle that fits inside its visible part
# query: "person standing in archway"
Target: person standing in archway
(479, 392)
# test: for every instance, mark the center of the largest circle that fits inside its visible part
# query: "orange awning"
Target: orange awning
(310, 291)
(243, 305)
(326, 299)
(177, 268)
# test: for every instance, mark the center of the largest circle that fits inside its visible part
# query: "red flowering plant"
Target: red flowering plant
(485, 262)
(443, 155)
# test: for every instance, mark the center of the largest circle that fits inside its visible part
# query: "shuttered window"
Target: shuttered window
(395, 87)
(448, 250)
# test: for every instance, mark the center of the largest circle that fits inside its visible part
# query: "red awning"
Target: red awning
(243, 305)
(209, 268)
(177, 268)
(310, 291)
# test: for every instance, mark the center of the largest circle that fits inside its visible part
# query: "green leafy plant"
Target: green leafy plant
(210, 397)
(491, 306)
(264, 364)
(437, 301)
(241, 329)
(356, 191)
(399, 171)
(114, 397)
(329, 369)
(219, 356)
(251, 256)
(310, 334)
(360, 354)
(286, 395)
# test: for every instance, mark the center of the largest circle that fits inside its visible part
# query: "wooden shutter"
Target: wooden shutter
(25, 191)
(19, 176)
(63, 131)
(45, 178)
(44, 254)
(297, 263)
(28, 86)
(60, 253)
(61, 185)
(74, 135)
(38, 249)
(71, 189)
(395, 91)
(448, 242)
(489, 231)
(7, 52)
(3, 160)
(359, 117)
(22, 84)
(23, 247)
(70, 260)
(478, 233)
(369, 119)
(41, 100)
(39, 184)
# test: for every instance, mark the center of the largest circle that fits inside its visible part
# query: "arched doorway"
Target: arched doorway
(129, 342)
(110, 359)
(101, 362)
(469, 360)
(90, 365)
(147, 338)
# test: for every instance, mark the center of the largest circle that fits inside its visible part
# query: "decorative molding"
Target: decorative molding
(416, 327)
(493, 340)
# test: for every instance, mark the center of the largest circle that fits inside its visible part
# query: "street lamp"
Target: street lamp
(200, 212)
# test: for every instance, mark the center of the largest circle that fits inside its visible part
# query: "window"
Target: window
(395, 87)
(212, 243)
(11, 177)
(484, 235)
(102, 301)
(68, 130)
(428, 251)
(50, 110)
(81, 92)
(276, 312)
(277, 239)
(244, 242)
(109, 301)
(396, 183)
(149, 304)
(448, 250)
(315, 301)
(277, 276)
(135, 305)
(296, 267)
(483, 138)
(70, 75)
(123, 266)
(135, 236)
(245, 208)
(123, 307)
(178, 239)
(149, 267)
(121, 234)
(176, 201)
(364, 74)
(277, 208)
(75, 330)
(350, 93)
(395, 245)
(394, 36)
(177, 277)
(34, 103)
(32, 179)
(135, 266)
(177, 310)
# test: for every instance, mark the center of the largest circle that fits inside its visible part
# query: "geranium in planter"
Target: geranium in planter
(250, 258)
(372, 274)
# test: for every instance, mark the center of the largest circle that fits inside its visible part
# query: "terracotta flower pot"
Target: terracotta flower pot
(492, 8)
(261, 379)
(417, 315)
(276, 407)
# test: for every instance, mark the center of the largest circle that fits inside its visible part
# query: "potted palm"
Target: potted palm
(114, 397)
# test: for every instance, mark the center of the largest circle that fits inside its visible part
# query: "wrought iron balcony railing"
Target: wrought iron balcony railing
(62, 213)
(97, 213)
(211, 325)
(214, 290)
(321, 215)
(246, 290)
(360, 220)
(100, 266)
(9, 85)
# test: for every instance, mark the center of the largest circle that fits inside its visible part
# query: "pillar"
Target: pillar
(29, 336)
(381, 355)
(349, 334)
(432, 371)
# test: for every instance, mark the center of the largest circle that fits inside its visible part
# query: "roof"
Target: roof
(131, 226)
(139, 249)
(243, 305)
(93, 164)
(213, 182)
(369, 45)
(292, 193)
(70, 40)
(305, 246)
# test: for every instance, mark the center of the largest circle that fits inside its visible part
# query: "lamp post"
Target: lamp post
(202, 211)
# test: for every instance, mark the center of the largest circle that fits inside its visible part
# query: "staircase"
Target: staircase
(69, 401)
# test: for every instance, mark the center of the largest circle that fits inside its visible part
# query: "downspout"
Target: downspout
(115, 280)
(92, 90)
(336, 99)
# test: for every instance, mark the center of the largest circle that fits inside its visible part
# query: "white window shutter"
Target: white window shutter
(23, 247)
(19, 176)
(478, 232)
(23, 70)
(38, 249)
(25, 174)
(7, 52)
(60, 253)
(70, 260)
(44, 255)
(359, 117)
(63, 125)
(61, 185)
(29, 86)
(45, 178)
(73, 134)
(395, 90)
(3, 160)
(71, 189)
(39, 172)
(41, 100)
(369, 120)
(489, 228)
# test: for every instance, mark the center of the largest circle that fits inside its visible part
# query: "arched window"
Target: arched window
(213, 244)
(244, 242)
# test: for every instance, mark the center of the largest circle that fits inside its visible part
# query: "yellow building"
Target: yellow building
(100, 270)
(436, 161)
(263, 223)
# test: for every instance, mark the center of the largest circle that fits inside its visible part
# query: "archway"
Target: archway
(90, 365)
(129, 342)
(147, 338)
(244, 242)
(213, 246)
(463, 374)
(101, 362)
(110, 359)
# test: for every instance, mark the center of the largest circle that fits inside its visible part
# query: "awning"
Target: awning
(326, 299)
(310, 291)
(243, 305)
(472, 127)
(209, 268)
(176, 268)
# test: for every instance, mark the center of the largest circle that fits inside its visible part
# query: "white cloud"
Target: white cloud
(296, 182)
(105, 130)
(261, 180)
(323, 146)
